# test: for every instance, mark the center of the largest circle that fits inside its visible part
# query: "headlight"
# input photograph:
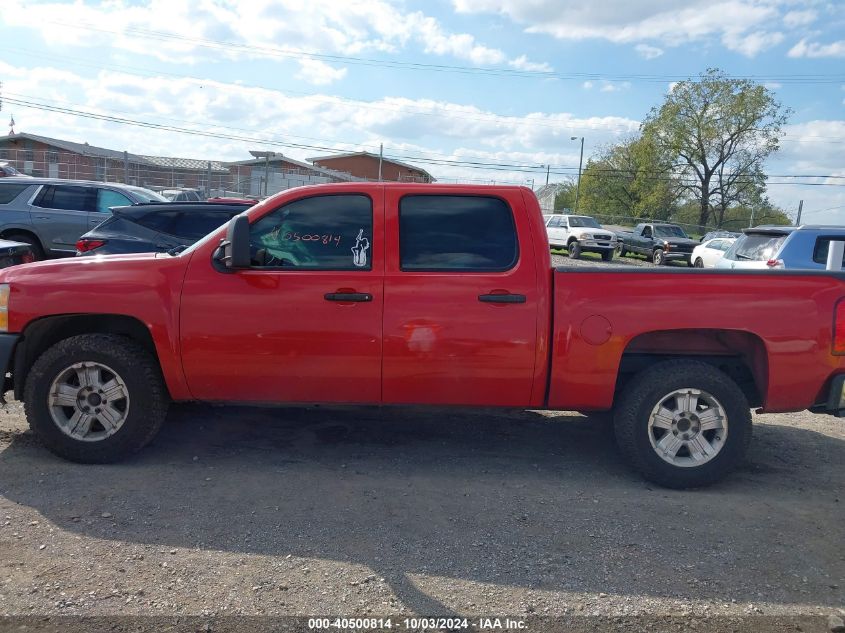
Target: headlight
(4, 307)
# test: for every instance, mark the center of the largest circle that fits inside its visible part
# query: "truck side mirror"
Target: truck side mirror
(234, 248)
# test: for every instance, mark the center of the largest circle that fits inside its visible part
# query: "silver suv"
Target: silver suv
(791, 247)
(51, 214)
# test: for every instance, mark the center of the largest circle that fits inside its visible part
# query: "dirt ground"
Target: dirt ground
(245, 511)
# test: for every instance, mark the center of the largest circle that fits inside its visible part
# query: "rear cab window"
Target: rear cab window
(456, 233)
(822, 246)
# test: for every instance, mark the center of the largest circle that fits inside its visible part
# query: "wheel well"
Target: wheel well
(571, 239)
(46, 332)
(5, 234)
(740, 355)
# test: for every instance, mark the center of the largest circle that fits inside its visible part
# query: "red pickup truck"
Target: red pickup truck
(399, 294)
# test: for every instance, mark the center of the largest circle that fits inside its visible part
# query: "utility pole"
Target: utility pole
(380, 159)
(548, 167)
(751, 221)
(580, 164)
(800, 208)
(266, 172)
(125, 167)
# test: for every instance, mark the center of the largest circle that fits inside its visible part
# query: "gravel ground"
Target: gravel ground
(247, 511)
(559, 258)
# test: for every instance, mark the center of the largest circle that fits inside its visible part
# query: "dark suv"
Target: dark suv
(149, 228)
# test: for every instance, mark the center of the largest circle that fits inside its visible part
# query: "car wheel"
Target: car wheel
(698, 263)
(574, 249)
(659, 257)
(621, 251)
(95, 398)
(683, 424)
(35, 245)
(607, 255)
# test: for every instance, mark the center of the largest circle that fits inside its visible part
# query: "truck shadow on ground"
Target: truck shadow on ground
(506, 498)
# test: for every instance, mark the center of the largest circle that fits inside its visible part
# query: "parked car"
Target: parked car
(182, 195)
(719, 233)
(156, 227)
(771, 247)
(6, 170)
(401, 293)
(706, 254)
(660, 242)
(14, 253)
(51, 214)
(580, 234)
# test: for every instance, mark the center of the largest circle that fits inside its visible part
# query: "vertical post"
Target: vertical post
(835, 252)
(800, 208)
(125, 167)
(751, 221)
(548, 168)
(208, 185)
(266, 172)
(380, 159)
(578, 186)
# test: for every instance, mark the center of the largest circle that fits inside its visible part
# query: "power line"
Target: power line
(275, 51)
(423, 159)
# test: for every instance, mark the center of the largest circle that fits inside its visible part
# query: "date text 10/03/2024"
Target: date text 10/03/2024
(416, 624)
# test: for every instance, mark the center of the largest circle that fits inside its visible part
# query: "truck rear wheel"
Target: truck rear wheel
(683, 424)
(95, 398)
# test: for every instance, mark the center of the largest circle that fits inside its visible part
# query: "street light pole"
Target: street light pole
(580, 163)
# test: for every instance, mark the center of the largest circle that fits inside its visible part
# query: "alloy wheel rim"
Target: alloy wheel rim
(688, 427)
(88, 401)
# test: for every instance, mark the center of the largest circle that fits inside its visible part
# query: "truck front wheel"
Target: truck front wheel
(683, 424)
(659, 257)
(574, 249)
(95, 398)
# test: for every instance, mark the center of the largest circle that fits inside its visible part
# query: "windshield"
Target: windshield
(146, 194)
(668, 231)
(581, 221)
(756, 247)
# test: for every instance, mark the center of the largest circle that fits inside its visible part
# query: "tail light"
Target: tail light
(775, 263)
(88, 245)
(839, 328)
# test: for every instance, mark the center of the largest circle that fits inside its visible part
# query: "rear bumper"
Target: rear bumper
(835, 404)
(7, 348)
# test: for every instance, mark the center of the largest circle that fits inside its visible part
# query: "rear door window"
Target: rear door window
(822, 247)
(10, 191)
(758, 246)
(67, 198)
(456, 233)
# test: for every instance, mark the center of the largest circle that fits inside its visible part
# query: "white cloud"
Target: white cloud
(794, 19)
(319, 73)
(648, 52)
(773, 85)
(617, 86)
(171, 30)
(750, 44)
(522, 63)
(814, 49)
(587, 85)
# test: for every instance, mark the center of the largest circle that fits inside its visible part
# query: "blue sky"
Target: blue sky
(503, 82)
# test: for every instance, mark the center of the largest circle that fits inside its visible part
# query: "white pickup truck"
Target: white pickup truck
(580, 234)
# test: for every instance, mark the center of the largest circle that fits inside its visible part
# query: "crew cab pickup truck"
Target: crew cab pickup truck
(416, 294)
(659, 242)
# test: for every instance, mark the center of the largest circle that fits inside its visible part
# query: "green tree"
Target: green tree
(720, 130)
(632, 178)
(565, 198)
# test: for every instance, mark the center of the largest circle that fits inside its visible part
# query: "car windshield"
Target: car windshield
(146, 194)
(757, 247)
(668, 231)
(583, 221)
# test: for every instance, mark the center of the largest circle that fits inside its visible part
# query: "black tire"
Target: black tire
(658, 257)
(574, 249)
(622, 251)
(148, 399)
(698, 263)
(24, 238)
(645, 391)
(607, 255)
